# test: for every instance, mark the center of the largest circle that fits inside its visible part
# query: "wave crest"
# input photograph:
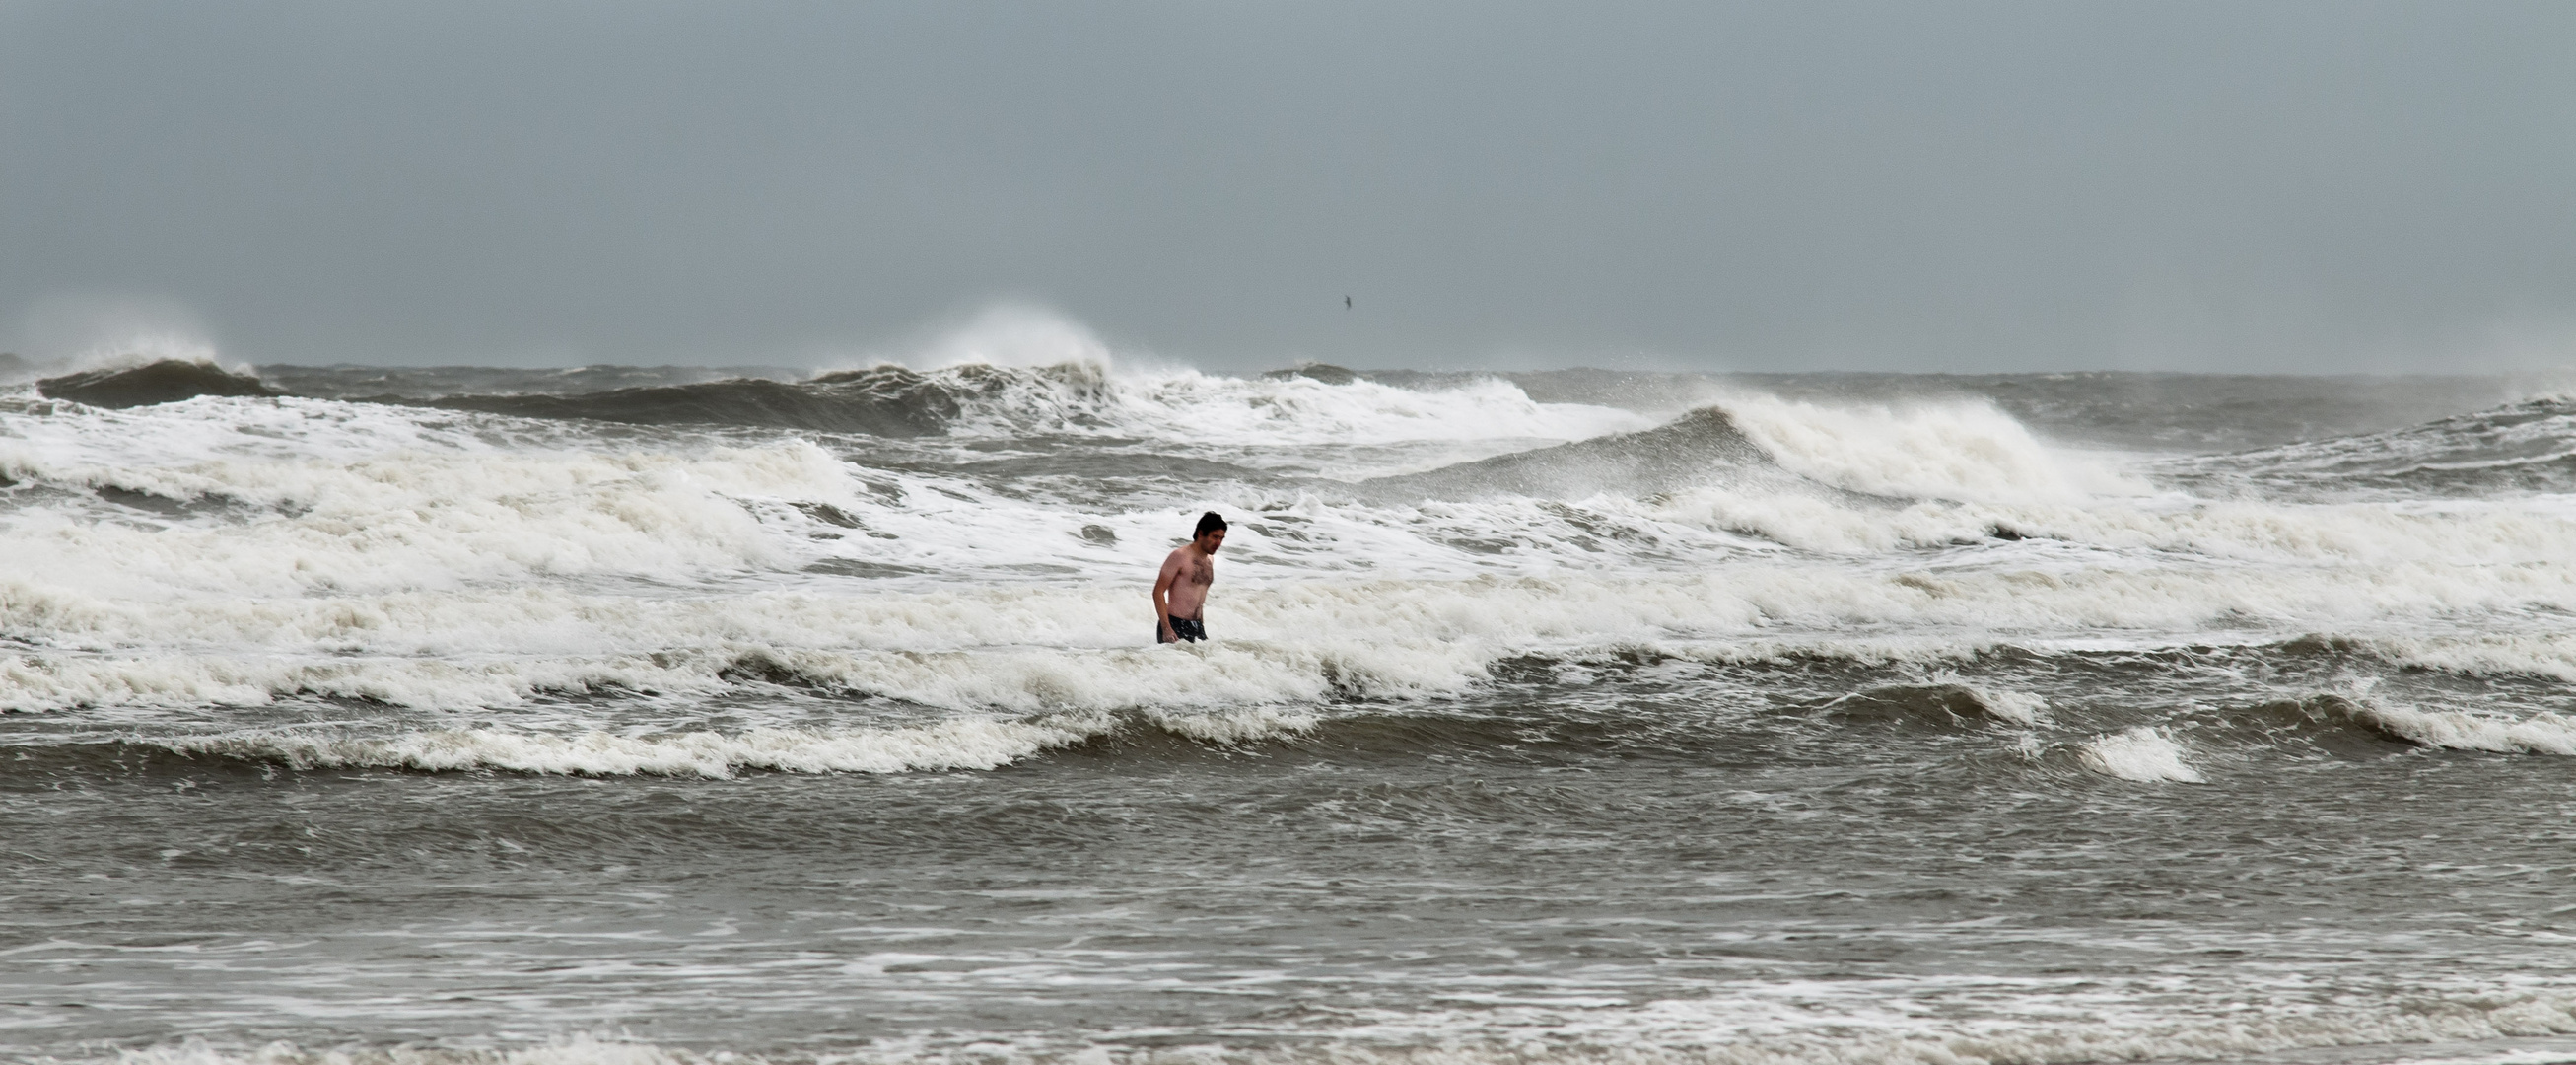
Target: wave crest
(958, 744)
(153, 383)
(2142, 754)
(2542, 733)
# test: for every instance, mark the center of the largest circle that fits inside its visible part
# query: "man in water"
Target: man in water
(1180, 592)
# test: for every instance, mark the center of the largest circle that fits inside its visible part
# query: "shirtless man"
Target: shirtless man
(1180, 592)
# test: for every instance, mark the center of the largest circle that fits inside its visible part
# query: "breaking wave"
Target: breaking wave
(162, 381)
(887, 401)
(1962, 449)
(1970, 720)
(2142, 754)
(933, 746)
(1699, 448)
(2540, 733)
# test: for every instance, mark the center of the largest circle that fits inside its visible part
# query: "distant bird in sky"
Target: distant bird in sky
(1346, 303)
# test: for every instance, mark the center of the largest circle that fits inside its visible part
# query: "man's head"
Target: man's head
(1211, 532)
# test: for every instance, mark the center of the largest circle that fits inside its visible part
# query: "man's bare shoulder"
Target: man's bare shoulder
(1180, 556)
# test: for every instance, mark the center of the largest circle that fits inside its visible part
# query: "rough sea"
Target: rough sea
(646, 715)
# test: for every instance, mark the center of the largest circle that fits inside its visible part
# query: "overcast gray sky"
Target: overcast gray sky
(2283, 186)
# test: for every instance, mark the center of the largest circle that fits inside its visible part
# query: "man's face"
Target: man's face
(1213, 540)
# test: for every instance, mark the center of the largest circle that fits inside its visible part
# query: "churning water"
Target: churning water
(631, 715)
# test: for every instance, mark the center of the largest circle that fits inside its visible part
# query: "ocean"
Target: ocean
(647, 715)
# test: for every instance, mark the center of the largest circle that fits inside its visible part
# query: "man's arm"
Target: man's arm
(1163, 594)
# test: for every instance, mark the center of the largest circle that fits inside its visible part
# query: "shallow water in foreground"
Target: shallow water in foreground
(1804, 719)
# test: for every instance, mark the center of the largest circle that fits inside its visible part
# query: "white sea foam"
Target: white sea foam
(440, 560)
(968, 744)
(2142, 754)
(110, 639)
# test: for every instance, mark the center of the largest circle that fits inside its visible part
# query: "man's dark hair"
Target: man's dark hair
(1208, 523)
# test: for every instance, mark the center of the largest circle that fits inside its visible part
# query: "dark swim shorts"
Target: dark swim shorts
(1186, 629)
